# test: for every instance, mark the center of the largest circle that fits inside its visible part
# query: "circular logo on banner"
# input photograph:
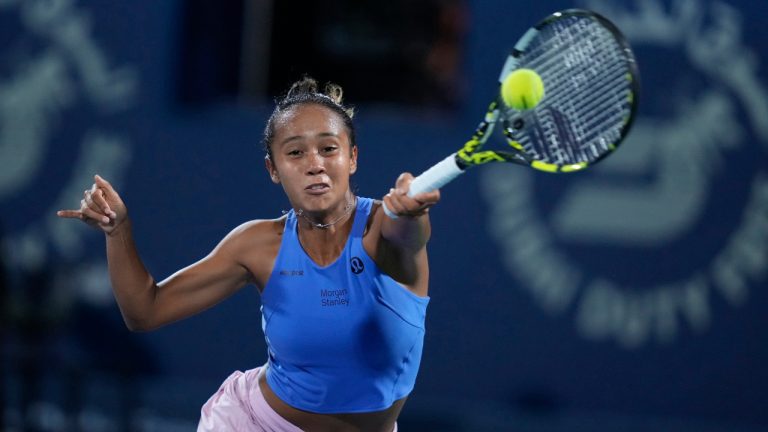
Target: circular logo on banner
(639, 247)
(58, 97)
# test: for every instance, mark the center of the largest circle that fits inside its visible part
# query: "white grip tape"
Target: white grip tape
(434, 178)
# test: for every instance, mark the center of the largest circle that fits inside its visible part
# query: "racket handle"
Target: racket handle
(434, 178)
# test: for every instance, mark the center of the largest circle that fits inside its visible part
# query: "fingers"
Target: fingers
(69, 214)
(89, 209)
(85, 214)
(398, 201)
(394, 204)
(403, 184)
(100, 206)
(98, 197)
(93, 208)
(105, 185)
(431, 197)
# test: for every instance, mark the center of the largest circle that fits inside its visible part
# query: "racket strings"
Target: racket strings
(570, 101)
(586, 121)
(587, 92)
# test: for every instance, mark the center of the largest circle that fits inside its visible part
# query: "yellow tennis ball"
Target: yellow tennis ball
(523, 89)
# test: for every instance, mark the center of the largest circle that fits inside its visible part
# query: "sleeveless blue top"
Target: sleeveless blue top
(344, 338)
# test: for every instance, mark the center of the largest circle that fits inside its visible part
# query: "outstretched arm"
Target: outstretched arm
(144, 303)
(400, 246)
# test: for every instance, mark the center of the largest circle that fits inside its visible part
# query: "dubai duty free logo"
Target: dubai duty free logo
(653, 193)
(52, 66)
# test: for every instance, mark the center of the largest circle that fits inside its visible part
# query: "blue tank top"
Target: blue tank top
(344, 338)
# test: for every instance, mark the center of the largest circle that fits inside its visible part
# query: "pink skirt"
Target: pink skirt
(240, 406)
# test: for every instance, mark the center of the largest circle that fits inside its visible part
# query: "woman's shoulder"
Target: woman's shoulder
(257, 232)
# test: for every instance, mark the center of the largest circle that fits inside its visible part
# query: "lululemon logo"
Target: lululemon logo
(357, 265)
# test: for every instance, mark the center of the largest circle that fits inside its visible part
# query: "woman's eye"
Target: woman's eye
(330, 149)
(294, 153)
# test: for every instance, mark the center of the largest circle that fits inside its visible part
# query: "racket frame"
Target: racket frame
(473, 154)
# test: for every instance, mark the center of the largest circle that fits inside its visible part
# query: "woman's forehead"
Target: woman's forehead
(310, 113)
(309, 121)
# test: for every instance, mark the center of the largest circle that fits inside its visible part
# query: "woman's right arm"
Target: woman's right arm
(144, 303)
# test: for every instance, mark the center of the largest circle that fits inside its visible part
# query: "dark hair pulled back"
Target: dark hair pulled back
(305, 91)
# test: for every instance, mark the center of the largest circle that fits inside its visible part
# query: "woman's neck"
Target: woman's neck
(329, 221)
(324, 242)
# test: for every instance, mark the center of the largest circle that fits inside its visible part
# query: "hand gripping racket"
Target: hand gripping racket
(589, 80)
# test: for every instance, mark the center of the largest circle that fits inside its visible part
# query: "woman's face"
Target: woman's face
(312, 158)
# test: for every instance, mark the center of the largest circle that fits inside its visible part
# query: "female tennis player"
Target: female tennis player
(343, 287)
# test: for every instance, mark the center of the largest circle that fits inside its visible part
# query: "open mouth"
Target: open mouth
(318, 188)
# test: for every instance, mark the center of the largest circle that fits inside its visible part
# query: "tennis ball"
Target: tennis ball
(522, 89)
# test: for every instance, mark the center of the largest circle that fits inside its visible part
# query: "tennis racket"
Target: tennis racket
(590, 86)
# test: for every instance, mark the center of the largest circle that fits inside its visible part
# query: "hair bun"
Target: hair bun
(305, 86)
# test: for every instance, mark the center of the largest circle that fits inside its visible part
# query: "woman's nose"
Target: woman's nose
(315, 164)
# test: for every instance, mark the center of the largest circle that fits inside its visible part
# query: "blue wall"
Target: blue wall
(628, 297)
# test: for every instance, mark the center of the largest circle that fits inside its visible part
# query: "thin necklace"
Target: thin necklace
(347, 210)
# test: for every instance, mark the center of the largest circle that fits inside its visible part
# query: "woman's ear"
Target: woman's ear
(271, 170)
(353, 160)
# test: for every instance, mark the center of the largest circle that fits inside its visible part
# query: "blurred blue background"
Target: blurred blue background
(630, 297)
